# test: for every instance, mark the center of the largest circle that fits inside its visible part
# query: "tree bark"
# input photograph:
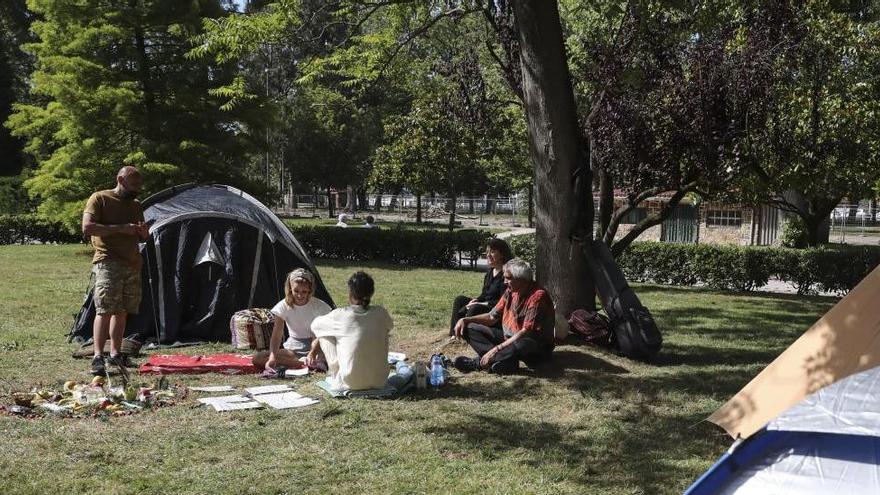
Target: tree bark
(377, 205)
(418, 208)
(452, 205)
(531, 204)
(606, 207)
(330, 211)
(361, 199)
(564, 216)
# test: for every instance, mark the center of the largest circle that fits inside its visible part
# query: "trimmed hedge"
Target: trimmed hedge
(426, 248)
(829, 268)
(28, 228)
(523, 246)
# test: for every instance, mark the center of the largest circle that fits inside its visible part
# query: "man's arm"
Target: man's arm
(483, 319)
(92, 228)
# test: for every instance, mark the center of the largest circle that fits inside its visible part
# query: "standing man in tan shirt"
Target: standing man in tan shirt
(115, 221)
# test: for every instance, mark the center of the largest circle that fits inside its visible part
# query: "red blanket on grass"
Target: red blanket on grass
(230, 364)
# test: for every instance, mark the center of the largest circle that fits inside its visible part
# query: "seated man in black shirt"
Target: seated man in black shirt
(497, 254)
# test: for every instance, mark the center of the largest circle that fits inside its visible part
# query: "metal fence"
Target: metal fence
(508, 210)
(855, 224)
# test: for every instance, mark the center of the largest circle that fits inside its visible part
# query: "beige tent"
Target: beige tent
(843, 342)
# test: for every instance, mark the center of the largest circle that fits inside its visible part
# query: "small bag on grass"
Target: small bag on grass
(593, 326)
(251, 329)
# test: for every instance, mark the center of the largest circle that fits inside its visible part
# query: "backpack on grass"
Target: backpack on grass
(633, 330)
(251, 329)
(593, 326)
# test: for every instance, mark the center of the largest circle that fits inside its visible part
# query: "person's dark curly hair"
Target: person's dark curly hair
(502, 247)
(361, 288)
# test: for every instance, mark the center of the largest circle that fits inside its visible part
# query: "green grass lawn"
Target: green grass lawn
(593, 423)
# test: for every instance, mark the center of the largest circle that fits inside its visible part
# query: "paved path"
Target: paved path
(518, 231)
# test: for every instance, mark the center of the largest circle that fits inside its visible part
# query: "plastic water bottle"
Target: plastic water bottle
(403, 368)
(437, 377)
(401, 379)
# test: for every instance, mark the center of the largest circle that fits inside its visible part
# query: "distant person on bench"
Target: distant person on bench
(354, 339)
(527, 320)
(297, 311)
(497, 254)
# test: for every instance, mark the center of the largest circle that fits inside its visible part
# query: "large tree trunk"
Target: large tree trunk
(531, 204)
(377, 205)
(330, 212)
(564, 213)
(815, 214)
(418, 208)
(606, 208)
(363, 203)
(872, 212)
(452, 205)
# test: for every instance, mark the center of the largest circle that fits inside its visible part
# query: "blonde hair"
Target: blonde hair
(297, 276)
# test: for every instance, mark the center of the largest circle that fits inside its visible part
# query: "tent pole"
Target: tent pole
(152, 297)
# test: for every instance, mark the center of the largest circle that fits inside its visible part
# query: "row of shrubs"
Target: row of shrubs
(830, 268)
(28, 228)
(834, 269)
(425, 248)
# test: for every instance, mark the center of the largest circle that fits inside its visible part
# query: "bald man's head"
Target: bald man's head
(129, 182)
(127, 170)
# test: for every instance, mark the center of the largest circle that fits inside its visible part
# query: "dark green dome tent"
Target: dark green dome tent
(213, 250)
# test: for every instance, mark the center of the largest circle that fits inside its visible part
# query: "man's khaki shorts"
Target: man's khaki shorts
(117, 287)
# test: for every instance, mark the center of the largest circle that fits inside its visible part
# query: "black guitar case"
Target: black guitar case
(633, 330)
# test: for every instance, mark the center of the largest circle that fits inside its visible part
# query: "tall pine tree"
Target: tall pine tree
(116, 87)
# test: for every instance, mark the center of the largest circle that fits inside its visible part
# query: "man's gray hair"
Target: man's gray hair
(519, 269)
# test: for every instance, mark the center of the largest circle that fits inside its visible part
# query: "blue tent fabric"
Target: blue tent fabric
(827, 444)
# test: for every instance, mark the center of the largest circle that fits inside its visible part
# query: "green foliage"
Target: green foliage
(400, 246)
(329, 137)
(112, 86)
(13, 198)
(429, 149)
(29, 228)
(14, 67)
(828, 268)
(794, 233)
(524, 246)
(823, 138)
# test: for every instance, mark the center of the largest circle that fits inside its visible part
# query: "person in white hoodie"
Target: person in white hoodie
(354, 339)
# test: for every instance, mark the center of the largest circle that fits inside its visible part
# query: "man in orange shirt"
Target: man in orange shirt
(527, 319)
(115, 221)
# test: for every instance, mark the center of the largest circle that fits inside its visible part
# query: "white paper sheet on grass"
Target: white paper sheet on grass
(267, 389)
(231, 403)
(285, 400)
(213, 388)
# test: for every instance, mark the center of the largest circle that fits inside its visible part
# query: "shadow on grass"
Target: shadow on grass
(652, 290)
(621, 449)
